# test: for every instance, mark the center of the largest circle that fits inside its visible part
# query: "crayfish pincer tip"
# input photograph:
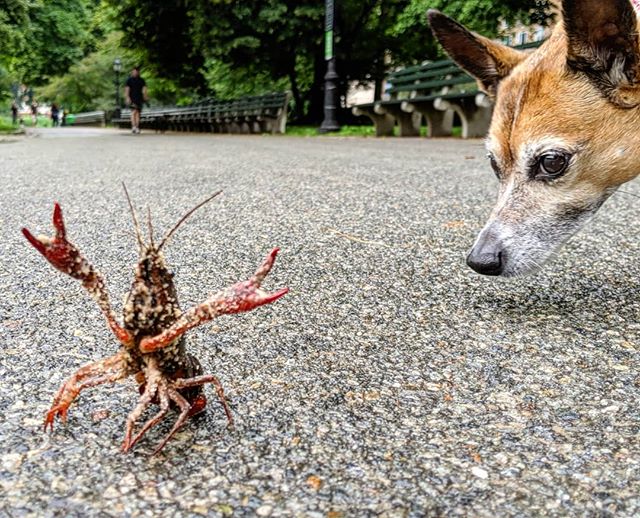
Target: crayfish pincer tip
(278, 294)
(35, 242)
(58, 222)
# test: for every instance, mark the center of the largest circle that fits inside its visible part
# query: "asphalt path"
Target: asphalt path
(391, 381)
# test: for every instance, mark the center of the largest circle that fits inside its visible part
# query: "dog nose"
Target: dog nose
(487, 257)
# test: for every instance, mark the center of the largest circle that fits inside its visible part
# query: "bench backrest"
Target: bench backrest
(431, 77)
(267, 104)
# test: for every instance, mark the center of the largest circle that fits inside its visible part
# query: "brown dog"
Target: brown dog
(565, 132)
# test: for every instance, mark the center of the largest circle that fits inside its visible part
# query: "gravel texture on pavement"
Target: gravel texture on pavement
(392, 381)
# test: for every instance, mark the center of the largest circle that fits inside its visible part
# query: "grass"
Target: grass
(345, 131)
(7, 127)
(350, 131)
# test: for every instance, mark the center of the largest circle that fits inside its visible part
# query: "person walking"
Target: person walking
(55, 115)
(135, 92)
(34, 112)
(14, 112)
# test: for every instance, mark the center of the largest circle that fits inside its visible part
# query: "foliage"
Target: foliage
(90, 83)
(226, 48)
(13, 26)
(231, 48)
(479, 15)
(229, 82)
(57, 36)
(160, 32)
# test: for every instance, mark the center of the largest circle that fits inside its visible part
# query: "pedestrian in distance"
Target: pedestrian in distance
(14, 113)
(55, 115)
(135, 91)
(34, 112)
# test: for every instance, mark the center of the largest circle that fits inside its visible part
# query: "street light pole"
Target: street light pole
(117, 67)
(330, 123)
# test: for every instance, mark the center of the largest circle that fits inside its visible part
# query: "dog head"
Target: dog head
(565, 132)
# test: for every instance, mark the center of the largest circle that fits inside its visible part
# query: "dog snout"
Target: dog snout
(488, 255)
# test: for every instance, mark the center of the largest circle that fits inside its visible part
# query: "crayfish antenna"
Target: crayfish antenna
(184, 218)
(150, 227)
(136, 226)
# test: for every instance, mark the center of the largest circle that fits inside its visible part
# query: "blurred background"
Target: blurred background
(75, 53)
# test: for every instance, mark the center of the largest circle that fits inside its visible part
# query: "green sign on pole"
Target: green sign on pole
(328, 45)
(328, 29)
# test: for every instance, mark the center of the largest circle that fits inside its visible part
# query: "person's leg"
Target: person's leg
(133, 118)
(137, 119)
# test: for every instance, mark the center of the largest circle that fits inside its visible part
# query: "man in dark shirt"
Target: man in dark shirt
(135, 92)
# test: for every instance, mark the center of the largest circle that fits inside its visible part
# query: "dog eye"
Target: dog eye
(552, 165)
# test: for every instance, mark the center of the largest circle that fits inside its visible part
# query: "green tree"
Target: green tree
(161, 32)
(58, 35)
(89, 84)
(232, 47)
(479, 15)
(14, 18)
(276, 38)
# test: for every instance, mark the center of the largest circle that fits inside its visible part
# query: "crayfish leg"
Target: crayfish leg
(143, 403)
(107, 370)
(164, 408)
(185, 407)
(198, 382)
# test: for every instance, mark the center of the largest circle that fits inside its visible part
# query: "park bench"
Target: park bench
(95, 118)
(254, 114)
(435, 91)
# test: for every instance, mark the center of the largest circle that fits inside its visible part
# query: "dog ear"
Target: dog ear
(489, 62)
(602, 39)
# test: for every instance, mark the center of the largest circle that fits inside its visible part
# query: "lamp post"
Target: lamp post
(330, 123)
(117, 67)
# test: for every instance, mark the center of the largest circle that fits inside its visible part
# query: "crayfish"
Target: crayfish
(151, 336)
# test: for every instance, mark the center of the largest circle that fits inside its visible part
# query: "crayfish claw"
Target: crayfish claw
(60, 253)
(247, 295)
(264, 269)
(58, 221)
(37, 242)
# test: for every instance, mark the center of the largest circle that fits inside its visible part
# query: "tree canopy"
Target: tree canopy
(224, 47)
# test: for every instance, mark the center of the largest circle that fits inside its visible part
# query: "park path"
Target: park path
(392, 380)
(73, 132)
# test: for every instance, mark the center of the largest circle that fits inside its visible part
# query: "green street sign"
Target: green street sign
(328, 45)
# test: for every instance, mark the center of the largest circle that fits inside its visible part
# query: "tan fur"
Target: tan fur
(544, 104)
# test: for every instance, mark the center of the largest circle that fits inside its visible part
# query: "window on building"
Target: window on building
(539, 34)
(522, 38)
